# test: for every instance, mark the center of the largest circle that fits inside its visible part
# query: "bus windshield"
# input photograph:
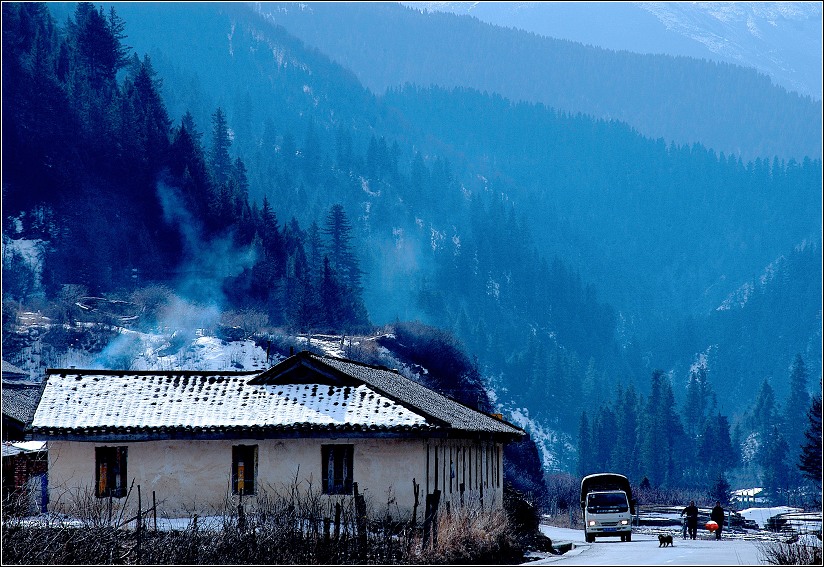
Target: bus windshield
(607, 502)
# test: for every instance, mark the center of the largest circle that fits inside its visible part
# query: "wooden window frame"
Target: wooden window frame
(337, 463)
(244, 469)
(111, 472)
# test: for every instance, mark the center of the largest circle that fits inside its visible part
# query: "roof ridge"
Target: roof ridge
(356, 362)
(113, 372)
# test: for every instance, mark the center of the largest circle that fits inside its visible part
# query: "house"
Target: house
(12, 373)
(19, 403)
(25, 474)
(24, 464)
(201, 439)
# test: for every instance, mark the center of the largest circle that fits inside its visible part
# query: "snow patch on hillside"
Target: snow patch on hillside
(740, 296)
(555, 448)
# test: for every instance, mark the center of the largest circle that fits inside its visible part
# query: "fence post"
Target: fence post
(154, 509)
(360, 518)
(430, 519)
(139, 524)
(436, 502)
(416, 489)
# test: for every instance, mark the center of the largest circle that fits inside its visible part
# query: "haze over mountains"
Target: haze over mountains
(725, 107)
(780, 39)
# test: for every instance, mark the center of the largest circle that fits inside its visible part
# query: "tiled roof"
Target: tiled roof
(94, 401)
(391, 383)
(20, 401)
(10, 371)
(11, 449)
(306, 392)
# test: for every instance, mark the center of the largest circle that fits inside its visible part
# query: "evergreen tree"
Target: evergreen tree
(603, 438)
(343, 269)
(331, 299)
(98, 43)
(342, 258)
(721, 490)
(188, 166)
(699, 402)
(220, 162)
(795, 409)
(625, 456)
(775, 469)
(584, 446)
(315, 251)
(662, 437)
(809, 462)
(764, 414)
(144, 122)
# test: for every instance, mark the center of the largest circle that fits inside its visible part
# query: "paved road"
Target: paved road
(644, 550)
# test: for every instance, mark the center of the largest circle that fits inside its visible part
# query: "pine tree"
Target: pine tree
(809, 462)
(764, 414)
(188, 165)
(774, 465)
(721, 490)
(220, 162)
(331, 298)
(584, 446)
(145, 122)
(795, 409)
(342, 258)
(626, 431)
(663, 434)
(699, 403)
(99, 51)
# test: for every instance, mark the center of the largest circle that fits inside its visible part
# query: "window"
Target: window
(110, 465)
(337, 468)
(244, 469)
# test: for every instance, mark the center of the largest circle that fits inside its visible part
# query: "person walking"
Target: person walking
(691, 513)
(717, 516)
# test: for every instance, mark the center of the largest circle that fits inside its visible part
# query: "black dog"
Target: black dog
(664, 540)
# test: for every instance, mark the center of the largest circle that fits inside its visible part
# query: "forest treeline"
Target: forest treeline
(656, 443)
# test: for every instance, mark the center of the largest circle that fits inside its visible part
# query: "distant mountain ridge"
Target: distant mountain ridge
(779, 39)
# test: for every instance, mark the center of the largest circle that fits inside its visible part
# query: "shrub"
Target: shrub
(292, 526)
(797, 553)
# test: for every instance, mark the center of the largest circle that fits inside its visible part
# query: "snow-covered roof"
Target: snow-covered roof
(105, 404)
(15, 448)
(437, 407)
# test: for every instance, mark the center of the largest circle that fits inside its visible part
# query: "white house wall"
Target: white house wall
(194, 476)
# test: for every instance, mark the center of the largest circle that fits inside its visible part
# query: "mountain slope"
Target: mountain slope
(779, 39)
(676, 98)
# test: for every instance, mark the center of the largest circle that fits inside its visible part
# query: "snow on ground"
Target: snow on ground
(761, 515)
(644, 550)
